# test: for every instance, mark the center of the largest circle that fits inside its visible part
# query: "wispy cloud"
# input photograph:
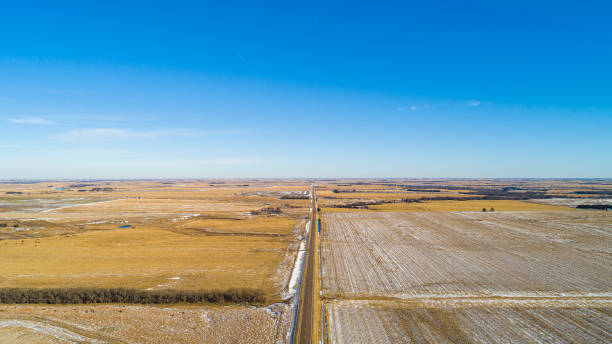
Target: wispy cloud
(9, 146)
(438, 105)
(221, 161)
(102, 134)
(30, 120)
(106, 134)
(63, 91)
(414, 107)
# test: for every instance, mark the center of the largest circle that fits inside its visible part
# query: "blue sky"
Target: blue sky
(305, 89)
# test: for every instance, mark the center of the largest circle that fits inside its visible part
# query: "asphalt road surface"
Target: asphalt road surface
(307, 301)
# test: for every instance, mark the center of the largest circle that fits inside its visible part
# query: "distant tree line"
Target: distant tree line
(124, 295)
(101, 189)
(595, 206)
(497, 193)
(594, 192)
(346, 190)
(267, 211)
(358, 205)
(76, 186)
(295, 196)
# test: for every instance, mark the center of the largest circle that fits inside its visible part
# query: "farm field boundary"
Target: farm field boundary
(120, 295)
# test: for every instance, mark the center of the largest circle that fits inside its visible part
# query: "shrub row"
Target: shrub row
(124, 295)
(294, 197)
(267, 211)
(595, 206)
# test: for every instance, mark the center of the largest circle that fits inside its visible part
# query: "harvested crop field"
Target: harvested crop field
(366, 254)
(472, 277)
(517, 322)
(142, 324)
(477, 205)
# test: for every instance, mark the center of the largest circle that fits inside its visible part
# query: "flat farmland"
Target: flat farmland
(140, 324)
(531, 321)
(142, 258)
(398, 254)
(478, 205)
(151, 236)
(474, 277)
(440, 194)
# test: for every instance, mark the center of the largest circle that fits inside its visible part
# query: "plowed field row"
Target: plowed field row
(386, 322)
(410, 255)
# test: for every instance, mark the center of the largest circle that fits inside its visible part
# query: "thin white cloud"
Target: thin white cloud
(110, 134)
(414, 107)
(450, 104)
(63, 91)
(101, 134)
(221, 161)
(30, 120)
(8, 146)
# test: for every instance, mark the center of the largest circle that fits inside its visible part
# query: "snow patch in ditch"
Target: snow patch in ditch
(298, 267)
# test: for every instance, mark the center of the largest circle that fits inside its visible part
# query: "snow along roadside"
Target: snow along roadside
(298, 268)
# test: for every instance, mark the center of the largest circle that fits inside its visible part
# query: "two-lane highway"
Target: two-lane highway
(305, 319)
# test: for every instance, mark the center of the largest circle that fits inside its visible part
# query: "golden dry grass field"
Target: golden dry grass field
(151, 235)
(143, 258)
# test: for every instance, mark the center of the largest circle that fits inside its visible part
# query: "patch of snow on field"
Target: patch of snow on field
(572, 202)
(96, 222)
(78, 205)
(163, 285)
(184, 217)
(46, 329)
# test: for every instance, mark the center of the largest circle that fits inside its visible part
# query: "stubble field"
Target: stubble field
(401, 254)
(447, 277)
(477, 321)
